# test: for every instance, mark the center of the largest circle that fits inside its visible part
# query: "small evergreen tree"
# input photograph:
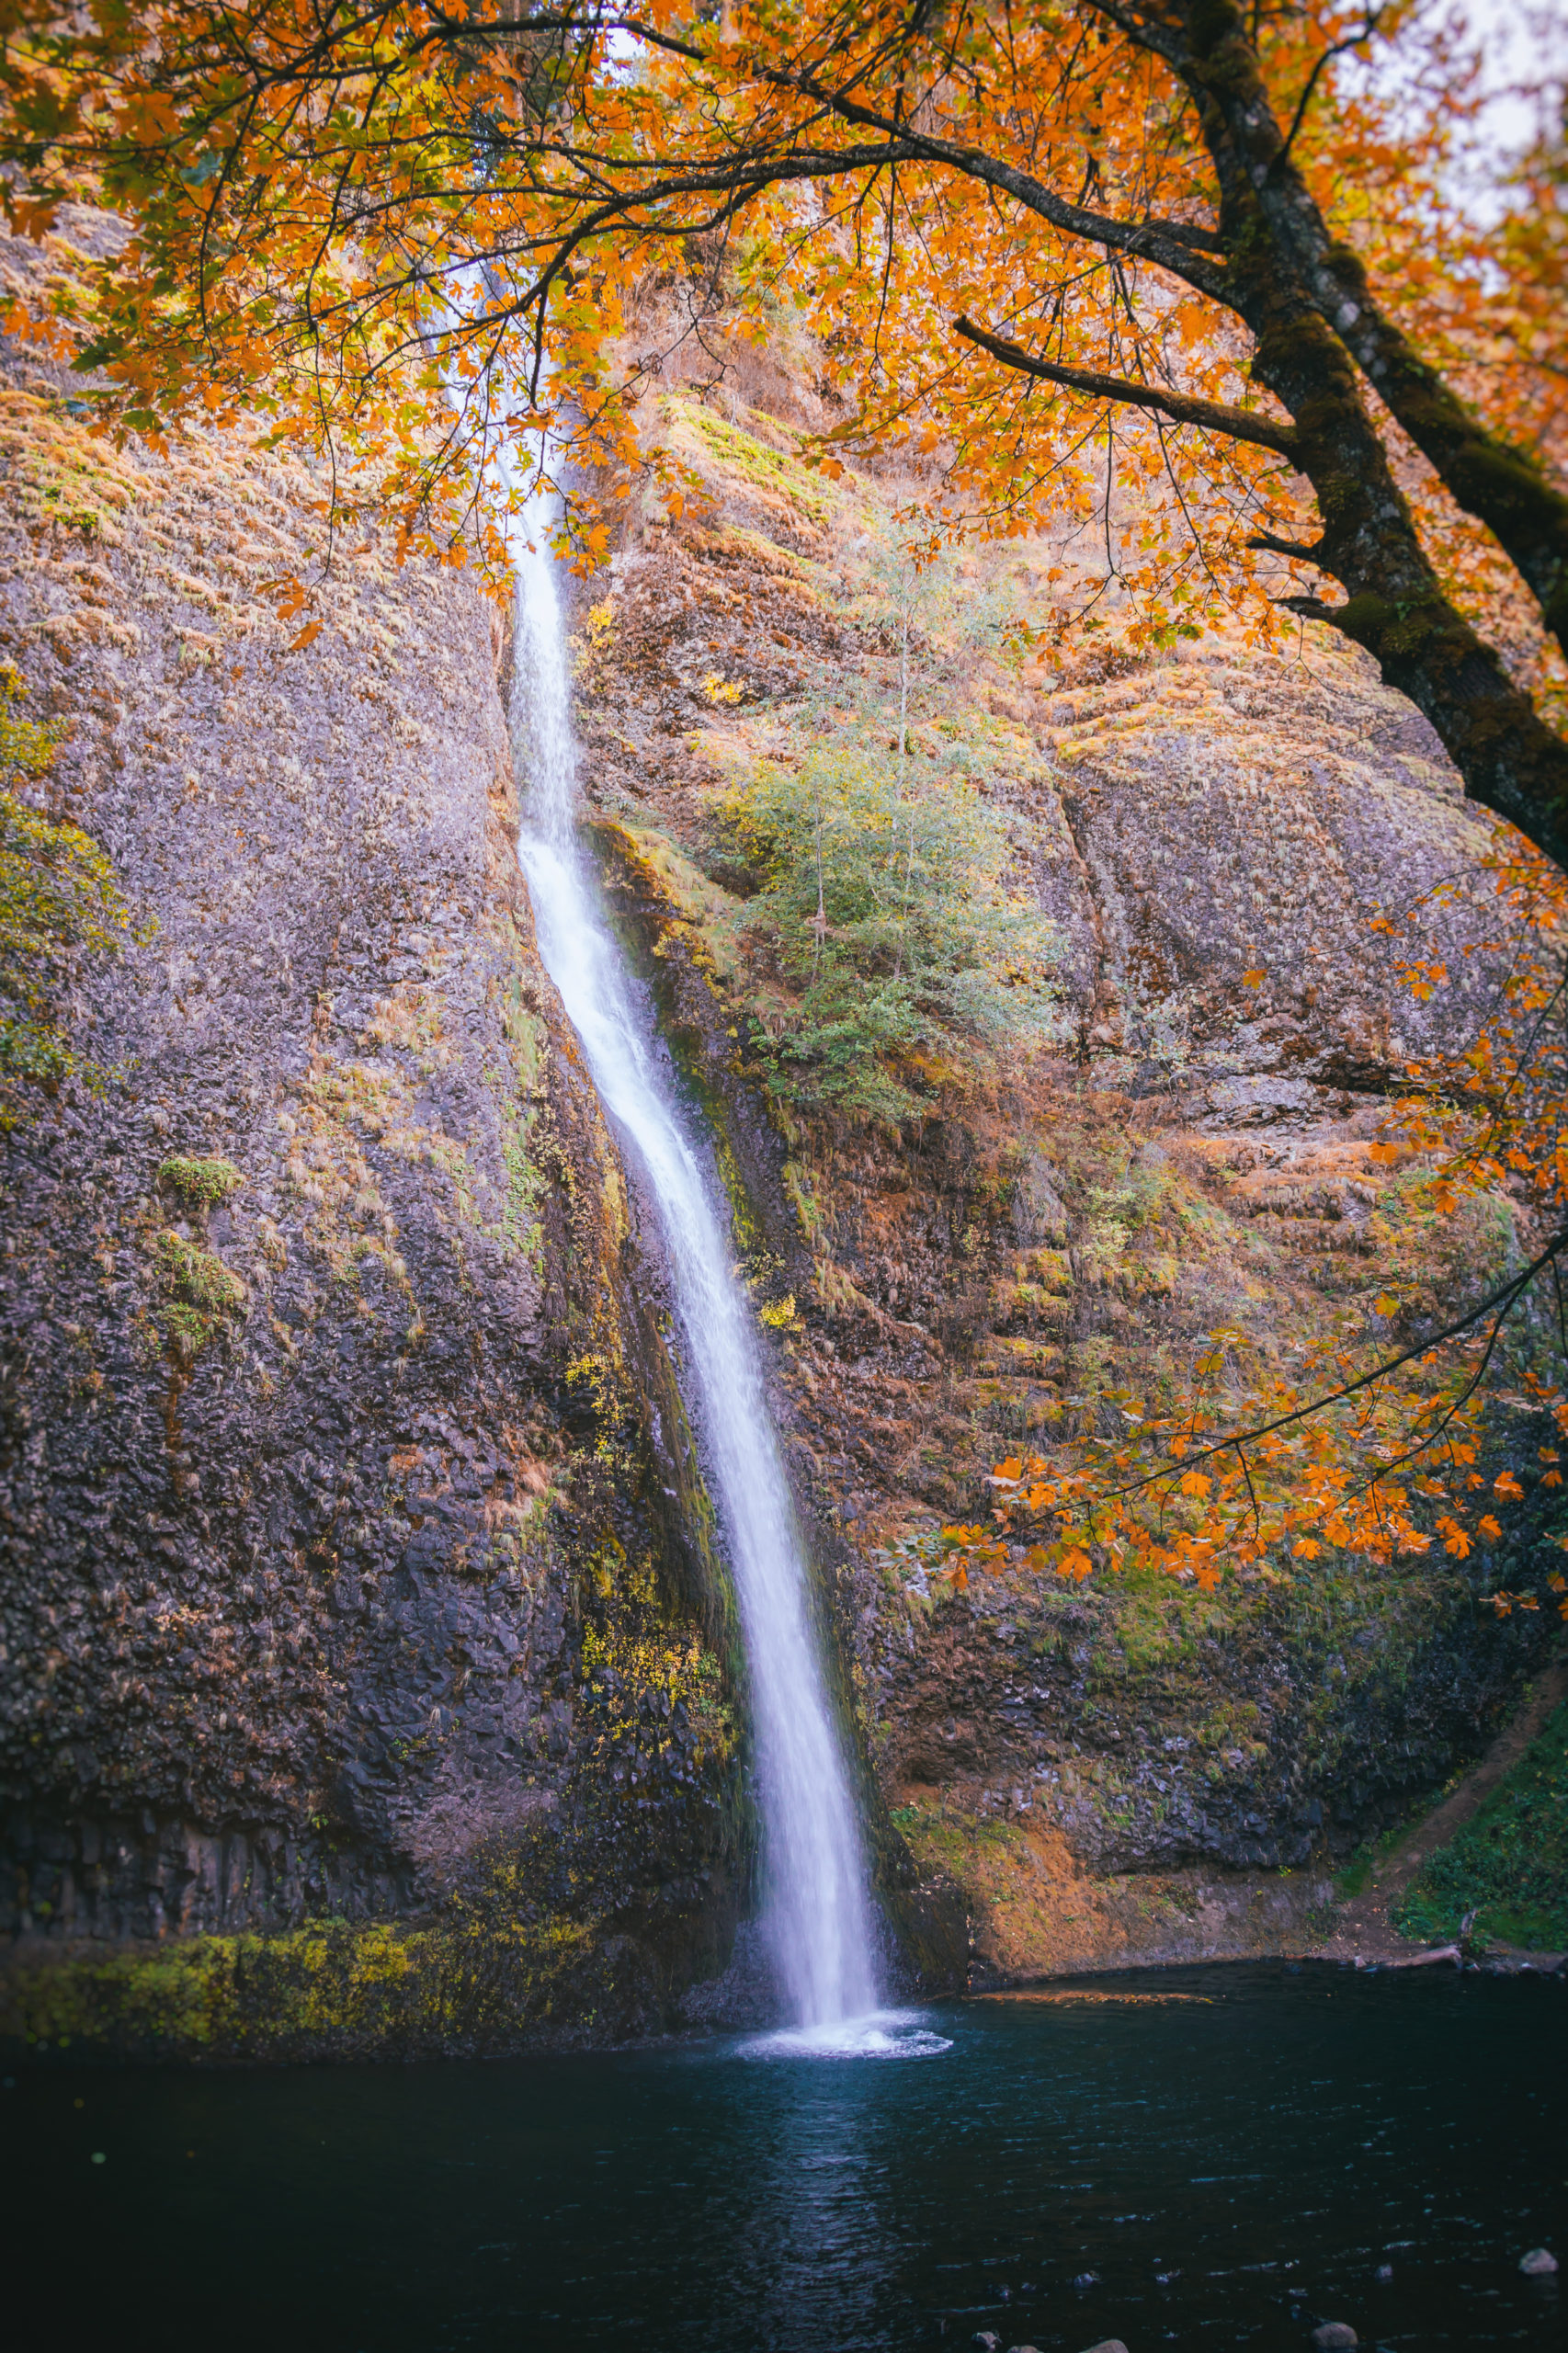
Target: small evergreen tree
(889, 948)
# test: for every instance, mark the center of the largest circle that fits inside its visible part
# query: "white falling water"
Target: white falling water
(816, 1915)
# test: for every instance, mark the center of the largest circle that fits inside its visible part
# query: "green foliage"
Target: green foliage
(201, 1293)
(897, 953)
(58, 900)
(1509, 1864)
(202, 1183)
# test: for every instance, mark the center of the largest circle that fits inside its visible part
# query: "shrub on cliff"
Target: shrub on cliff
(888, 950)
(58, 902)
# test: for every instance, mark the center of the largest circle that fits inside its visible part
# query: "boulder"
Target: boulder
(1334, 2336)
(1539, 2264)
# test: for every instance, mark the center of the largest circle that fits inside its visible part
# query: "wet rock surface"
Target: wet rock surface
(353, 1567)
(1103, 1775)
(364, 1638)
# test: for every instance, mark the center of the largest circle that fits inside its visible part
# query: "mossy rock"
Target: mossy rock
(335, 1988)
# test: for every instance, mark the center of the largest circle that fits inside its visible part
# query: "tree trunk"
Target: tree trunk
(1501, 486)
(1510, 760)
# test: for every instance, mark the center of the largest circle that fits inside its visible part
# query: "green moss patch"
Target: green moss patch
(335, 1988)
(753, 460)
(1509, 1864)
(201, 1292)
(202, 1183)
(58, 904)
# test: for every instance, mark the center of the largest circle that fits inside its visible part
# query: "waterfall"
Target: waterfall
(815, 1911)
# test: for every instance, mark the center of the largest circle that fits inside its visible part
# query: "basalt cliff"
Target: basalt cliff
(368, 1678)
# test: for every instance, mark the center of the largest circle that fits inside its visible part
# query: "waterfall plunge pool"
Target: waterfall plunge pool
(1232, 2152)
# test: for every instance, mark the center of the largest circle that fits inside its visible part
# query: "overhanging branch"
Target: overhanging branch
(1292, 547)
(1497, 1304)
(1157, 241)
(1212, 416)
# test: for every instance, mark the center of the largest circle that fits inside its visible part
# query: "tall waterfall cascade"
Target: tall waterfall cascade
(816, 1914)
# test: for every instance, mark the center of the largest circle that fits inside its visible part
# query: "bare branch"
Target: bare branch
(1374, 17)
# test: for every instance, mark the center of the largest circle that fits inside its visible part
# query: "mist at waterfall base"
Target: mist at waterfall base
(816, 1915)
(1234, 2166)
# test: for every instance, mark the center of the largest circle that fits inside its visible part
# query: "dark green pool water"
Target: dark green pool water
(1234, 2166)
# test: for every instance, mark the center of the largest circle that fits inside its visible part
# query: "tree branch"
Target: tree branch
(1374, 17)
(1505, 1297)
(1213, 416)
(1171, 248)
(1291, 548)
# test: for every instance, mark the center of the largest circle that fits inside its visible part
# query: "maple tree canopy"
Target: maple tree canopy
(1156, 258)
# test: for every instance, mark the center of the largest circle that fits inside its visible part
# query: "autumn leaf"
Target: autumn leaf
(307, 636)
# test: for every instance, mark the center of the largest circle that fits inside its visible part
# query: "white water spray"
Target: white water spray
(815, 1909)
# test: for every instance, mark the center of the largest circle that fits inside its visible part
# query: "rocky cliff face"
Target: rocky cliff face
(1133, 1769)
(368, 1681)
(356, 1592)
